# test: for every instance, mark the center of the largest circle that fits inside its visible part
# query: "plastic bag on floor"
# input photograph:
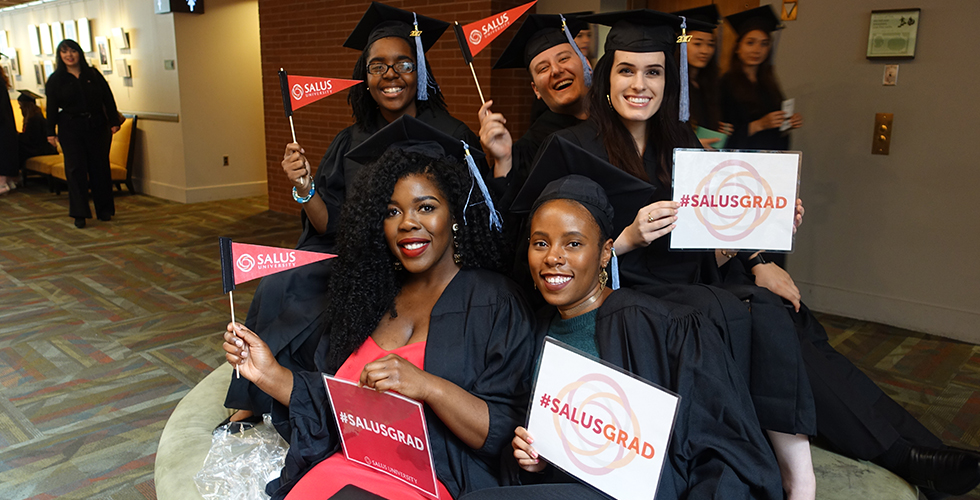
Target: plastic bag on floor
(239, 465)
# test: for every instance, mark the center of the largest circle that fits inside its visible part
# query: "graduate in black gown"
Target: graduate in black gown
(286, 305)
(750, 95)
(717, 448)
(558, 72)
(414, 252)
(33, 139)
(634, 125)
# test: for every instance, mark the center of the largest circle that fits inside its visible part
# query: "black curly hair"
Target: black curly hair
(364, 276)
(363, 105)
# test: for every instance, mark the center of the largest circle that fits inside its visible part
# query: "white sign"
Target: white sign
(735, 200)
(600, 424)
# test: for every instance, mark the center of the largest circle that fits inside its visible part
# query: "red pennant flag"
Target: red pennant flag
(304, 90)
(241, 262)
(481, 33)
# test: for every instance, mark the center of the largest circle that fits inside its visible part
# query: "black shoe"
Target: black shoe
(105, 218)
(79, 222)
(950, 471)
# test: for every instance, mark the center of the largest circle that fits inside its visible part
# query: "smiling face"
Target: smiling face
(700, 49)
(418, 225)
(394, 92)
(69, 56)
(566, 253)
(636, 84)
(753, 49)
(558, 78)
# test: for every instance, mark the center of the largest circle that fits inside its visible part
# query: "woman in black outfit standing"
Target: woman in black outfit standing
(80, 104)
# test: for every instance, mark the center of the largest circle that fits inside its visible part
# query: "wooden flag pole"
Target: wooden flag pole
(478, 89)
(231, 300)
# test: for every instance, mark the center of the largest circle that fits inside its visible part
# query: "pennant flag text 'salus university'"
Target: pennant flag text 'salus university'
(479, 34)
(241, 262)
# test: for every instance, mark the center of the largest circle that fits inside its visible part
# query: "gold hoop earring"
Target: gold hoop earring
(457, 258)
(603, 278)
(398, 265)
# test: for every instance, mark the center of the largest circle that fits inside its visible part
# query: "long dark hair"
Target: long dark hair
(364, 106)
(707, 80)
(29, 109)
(364, 283)
(744, 90)
(71, 44)
(664, 131)
(3, 76)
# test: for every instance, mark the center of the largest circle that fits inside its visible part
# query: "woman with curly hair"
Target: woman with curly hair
(397, 81)
(416, 311)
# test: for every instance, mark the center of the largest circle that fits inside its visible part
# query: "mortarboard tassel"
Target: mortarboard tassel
(614, 270)
(685, 110)
(586, 68)
(422, 74)
(478, 180)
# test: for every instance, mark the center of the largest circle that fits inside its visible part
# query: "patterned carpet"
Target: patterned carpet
(104, 329)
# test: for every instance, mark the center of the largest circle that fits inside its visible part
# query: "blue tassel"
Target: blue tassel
(421, 74)
(495, 222)
(685, 111)
(585, 62)
(614, 270)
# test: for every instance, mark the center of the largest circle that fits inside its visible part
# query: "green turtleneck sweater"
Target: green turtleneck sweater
(578, 332)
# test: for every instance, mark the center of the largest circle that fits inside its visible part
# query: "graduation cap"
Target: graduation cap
(760, 18)
(645, 30)
(407, 133)
(708, 15)
(559, 158)
(540, 32)
(383, 21)
(28, 96)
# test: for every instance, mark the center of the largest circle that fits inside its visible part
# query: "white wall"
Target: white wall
(890, 238)
(173, 159)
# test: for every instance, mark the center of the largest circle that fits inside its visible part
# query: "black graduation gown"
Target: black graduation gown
(717, 449)
(285, 305)
(9, 162)
(33, 141)
(760, 338)
(702, 114)
(480, 338)
(740, 110)
(853, 414)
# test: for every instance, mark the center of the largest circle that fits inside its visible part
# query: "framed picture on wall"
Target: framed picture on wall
(892, 33)
(48, 69)
(33, 38)
(69, 28)
(13, 57)
(103, 54)
(45, 38)
(39, 74)
(84, 34)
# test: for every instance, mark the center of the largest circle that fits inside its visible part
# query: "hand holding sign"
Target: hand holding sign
(652, 222)
(395, 373)
(526, 455)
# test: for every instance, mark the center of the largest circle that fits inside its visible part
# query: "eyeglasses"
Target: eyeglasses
(380, 68)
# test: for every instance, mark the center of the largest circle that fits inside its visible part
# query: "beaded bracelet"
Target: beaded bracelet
(309, 196)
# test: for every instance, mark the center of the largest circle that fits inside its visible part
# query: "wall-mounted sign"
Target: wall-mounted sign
(185, 6)
(893, 33)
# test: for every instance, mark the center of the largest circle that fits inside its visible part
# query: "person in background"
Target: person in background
(702, 60)
(33, 140)
(286, 305)
(82, 109)
(9, 164)
(751, 99)
(418, 311)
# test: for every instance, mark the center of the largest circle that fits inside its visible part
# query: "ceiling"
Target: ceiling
(8, 3)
